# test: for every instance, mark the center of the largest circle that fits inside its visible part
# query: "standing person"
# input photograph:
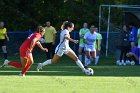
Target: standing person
(125, 44)
(26, 51)
(50, 34)
(82, 32)
(99, 37)
(63, 47)
(90, 50)
(3, 38)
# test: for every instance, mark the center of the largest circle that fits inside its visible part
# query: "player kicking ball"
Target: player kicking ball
(63, 47)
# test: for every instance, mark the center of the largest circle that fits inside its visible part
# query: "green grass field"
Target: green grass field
(66, 77)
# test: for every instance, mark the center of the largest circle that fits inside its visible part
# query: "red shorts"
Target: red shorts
(23, 53)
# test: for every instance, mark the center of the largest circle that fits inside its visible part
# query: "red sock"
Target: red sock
(25, 69)
(15, 64)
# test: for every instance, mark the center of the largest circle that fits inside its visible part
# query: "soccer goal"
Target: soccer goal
(108, 23)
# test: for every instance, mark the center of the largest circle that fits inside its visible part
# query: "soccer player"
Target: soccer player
(63, 47)
(3, 38)
(90, 50)
(99, 37)
(26, 51)
(82, 32)
(133, 55)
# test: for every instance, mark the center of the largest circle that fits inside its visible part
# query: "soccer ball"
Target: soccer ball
(89, 71)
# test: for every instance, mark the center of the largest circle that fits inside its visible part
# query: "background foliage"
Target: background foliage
(27, 14)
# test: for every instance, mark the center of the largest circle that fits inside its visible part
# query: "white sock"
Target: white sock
(97, 59)
(79, 63)
(80, 57)
(86, 61)
(46, 62)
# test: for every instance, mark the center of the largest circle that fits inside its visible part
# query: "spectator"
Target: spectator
(3, 39)
(82, 32)
(125, 44)
(50, 34)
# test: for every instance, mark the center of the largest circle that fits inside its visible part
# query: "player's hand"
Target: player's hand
(45, 49)
(75, 41)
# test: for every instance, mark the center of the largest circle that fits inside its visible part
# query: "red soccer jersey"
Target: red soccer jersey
(27, 43)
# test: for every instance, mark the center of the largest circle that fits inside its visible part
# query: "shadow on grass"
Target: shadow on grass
(56, 70)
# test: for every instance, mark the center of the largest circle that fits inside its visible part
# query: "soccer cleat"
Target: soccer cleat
(39, 66)
(23, 75)
(5, 63)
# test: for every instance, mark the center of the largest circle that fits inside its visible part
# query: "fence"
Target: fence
(16, 39)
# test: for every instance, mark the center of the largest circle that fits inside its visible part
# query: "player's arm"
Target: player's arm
(41, 47)
(70, 39)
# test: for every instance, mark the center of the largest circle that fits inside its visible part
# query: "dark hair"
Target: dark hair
(66, 24)
(40, 29)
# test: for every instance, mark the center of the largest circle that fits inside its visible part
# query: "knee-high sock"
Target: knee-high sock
(80, 57)
(15, 64)
(79, 63)
(25, 69)
(97, 59)
(46, 62)
(87, 61)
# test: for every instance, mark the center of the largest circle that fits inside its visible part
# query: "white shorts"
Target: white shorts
(82, 45)
(60, 51)
(90, 48)
(138, 46)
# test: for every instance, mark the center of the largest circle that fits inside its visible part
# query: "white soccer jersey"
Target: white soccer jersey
(90, 38)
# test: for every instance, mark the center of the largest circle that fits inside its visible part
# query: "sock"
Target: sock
(87, 61)
(78, 62)
(96, 60)
(25, 69)
(15, 64)
(80, 57)
(46, 62)
(5, 55)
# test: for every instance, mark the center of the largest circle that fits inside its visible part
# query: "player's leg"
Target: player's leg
(97, 56)
(27, 63)
(49, 61)
(11, 63)
(4, 52)
(72, 55)
(80, 52)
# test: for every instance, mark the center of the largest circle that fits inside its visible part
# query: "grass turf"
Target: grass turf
(65, 76)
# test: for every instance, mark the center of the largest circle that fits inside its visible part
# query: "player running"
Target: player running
(63, 47)
(89, 39)
(26, 51)
(82, 32)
